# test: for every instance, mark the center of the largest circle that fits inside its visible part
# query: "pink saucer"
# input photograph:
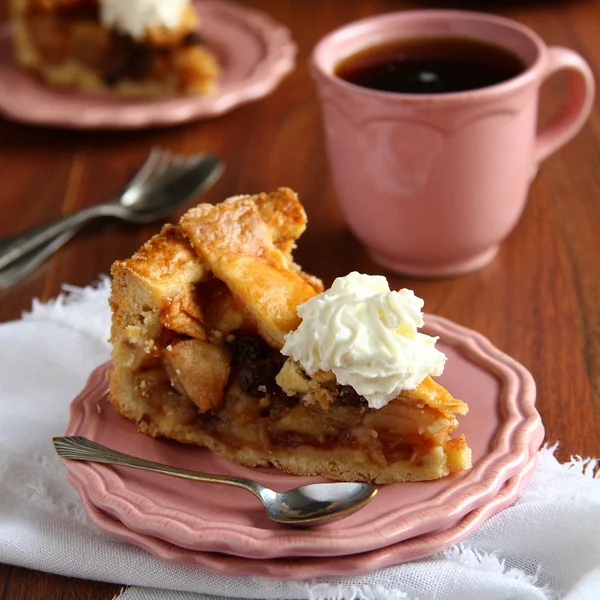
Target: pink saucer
(503, 428)
(305, 568)
(255, 54)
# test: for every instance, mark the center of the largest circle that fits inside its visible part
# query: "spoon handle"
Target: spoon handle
(80, 448)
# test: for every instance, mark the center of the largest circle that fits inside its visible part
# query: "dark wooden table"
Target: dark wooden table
(539, 301)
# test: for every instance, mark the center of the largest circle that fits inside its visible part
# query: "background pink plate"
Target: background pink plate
(304, 568)
(500, 427)
(254, 52)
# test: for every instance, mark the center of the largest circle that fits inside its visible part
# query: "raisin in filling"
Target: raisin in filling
(129, 59)
(261, 412)
(255, 365)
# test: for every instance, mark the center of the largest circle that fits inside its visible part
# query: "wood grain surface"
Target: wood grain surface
(538, 301)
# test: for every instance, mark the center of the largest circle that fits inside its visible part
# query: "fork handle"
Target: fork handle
(80, 448)
(15, 247)
(20, 268)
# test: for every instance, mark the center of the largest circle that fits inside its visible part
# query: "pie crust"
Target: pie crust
(199, 317)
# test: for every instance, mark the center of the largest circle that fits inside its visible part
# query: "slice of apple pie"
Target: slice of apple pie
(143, 48)
(202, 316)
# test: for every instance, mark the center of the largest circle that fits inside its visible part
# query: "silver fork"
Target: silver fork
(164, 181)
(23, 266)
(15, 247)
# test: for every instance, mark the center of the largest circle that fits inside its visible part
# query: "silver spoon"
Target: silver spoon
(164, 182)
(306, 506)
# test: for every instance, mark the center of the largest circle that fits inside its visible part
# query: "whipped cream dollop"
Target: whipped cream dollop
(367, 336)
(135, 17)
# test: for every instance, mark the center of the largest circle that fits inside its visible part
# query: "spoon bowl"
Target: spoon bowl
(317, 503)
(305, 506)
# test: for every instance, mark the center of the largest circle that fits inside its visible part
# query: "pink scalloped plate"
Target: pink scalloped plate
(308, 567)
(500, 426)
(255, 54)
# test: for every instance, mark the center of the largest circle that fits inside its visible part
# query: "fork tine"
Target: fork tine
(147, 168)
(194, 159)
(178, 160)
(159, 164)
(164, 163)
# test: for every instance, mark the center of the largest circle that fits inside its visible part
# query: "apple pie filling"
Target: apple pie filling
(260, 400)
(200, 315)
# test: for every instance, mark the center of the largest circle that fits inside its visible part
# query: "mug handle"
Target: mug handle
(580, 99)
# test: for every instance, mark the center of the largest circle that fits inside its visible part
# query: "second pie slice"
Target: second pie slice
(133, 48)
(216, 343)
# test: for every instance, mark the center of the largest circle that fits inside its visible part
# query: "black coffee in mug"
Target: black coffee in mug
(436, 65)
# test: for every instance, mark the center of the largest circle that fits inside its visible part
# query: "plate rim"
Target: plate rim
(108, 491)
(310, 567)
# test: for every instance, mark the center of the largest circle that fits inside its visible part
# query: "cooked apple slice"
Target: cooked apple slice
(199, 370)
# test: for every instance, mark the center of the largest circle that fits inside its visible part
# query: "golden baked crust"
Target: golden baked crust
(240, 247)
(199, 315)
(64, 42)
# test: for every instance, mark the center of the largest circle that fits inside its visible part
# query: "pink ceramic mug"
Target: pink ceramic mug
(431, 184)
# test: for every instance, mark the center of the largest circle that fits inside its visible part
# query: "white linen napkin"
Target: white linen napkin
(544, 547)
